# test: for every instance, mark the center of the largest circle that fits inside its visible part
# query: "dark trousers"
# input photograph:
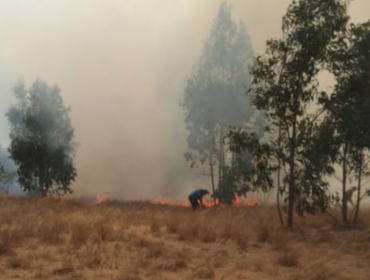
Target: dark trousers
(194, 202)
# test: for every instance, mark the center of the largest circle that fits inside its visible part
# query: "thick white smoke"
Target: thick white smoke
(121, 66)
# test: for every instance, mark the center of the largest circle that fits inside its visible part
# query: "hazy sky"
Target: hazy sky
(121, 66)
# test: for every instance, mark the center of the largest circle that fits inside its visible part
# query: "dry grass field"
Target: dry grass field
(45, 239)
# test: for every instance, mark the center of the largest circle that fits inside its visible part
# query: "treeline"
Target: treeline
(283, 131)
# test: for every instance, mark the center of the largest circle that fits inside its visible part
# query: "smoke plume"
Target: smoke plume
(121, 66)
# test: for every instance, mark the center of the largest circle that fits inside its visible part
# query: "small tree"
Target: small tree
(42, 139)
(7, 170)
(6, 179)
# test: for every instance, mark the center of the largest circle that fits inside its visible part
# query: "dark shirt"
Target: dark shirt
(199, 193)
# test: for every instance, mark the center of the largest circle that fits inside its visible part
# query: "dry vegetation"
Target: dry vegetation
(44, 239)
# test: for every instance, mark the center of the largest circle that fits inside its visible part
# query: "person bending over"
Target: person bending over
(196, 198)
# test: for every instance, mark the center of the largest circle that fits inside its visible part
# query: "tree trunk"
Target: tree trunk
(355, 219)
(40, 180)
(212, 175)
(232, 160)
(278, 185)
(220, 163)
(291, 194)
(344, 182)
(44, 178)
(278, 201)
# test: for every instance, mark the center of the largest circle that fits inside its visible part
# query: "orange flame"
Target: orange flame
(100, 199)
(247, 203)
(210, 203)
(207, 203)
(252, 202)
(165, 201)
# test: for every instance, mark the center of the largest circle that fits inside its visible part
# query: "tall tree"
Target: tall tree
(348, 107)
(214, 95)
(285, 85)
(42, 139)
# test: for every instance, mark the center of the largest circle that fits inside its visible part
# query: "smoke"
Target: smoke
(121, 66)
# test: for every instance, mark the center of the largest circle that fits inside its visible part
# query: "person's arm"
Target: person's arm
(201, 201)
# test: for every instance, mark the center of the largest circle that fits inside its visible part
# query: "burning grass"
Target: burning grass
(68, 239)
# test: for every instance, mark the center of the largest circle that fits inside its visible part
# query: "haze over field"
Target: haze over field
(122, 66)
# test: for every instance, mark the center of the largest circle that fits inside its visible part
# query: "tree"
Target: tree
(7, 171)
(6, 179)
(284, 87)
(348, 108)
(214, 94)
(42, 139)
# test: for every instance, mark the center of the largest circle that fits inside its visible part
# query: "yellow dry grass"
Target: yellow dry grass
(44, 239)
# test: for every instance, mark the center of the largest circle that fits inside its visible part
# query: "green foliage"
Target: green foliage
(348, 107)
(214, 99)
(7, 171)
(255, 176)
(6, 178)
(285, 85)
(226, 187)
(42, 139)
(350, 102)
(214, 96)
